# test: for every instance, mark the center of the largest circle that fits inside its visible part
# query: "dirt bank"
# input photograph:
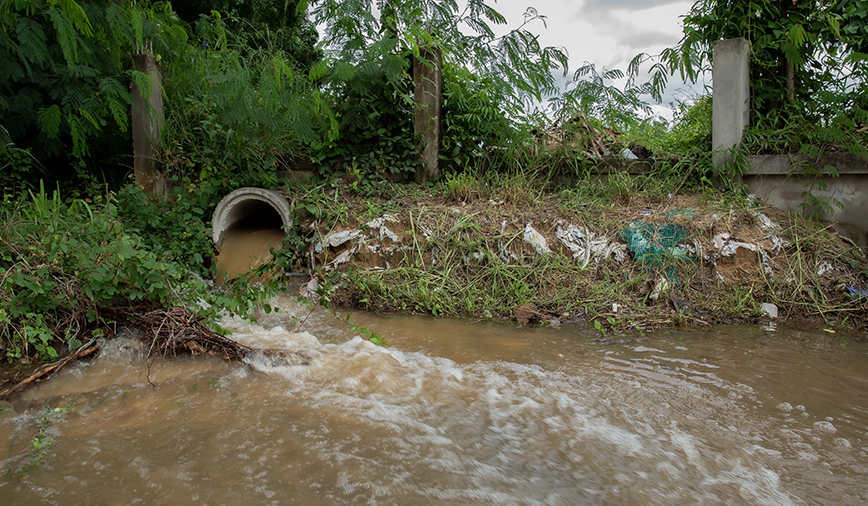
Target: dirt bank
(633, 264)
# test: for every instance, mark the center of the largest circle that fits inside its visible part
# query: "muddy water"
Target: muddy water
(246, 248)
(454, 412)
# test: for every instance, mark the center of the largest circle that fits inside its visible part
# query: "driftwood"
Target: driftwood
(163, 332)
(167, 332)
(45, 372)
(170, 331)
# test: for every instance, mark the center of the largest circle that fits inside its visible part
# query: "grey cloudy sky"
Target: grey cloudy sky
(607, 33)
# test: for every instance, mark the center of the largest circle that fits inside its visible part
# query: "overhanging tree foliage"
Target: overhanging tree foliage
(515, 65)
(65, 70)
(263, 25)
(806, 55)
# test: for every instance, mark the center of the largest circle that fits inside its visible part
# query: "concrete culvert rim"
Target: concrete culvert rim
(249, 206)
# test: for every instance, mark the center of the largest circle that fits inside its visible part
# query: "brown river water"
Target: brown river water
(452, 412)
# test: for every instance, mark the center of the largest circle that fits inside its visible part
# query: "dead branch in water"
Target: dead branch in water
(45, 372)
(169, 331)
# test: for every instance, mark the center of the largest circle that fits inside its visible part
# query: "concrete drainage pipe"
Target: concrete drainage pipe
(250, 207)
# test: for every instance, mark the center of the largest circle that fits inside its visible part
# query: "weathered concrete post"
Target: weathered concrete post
(427, 94)
(731, 99)
(147, 124)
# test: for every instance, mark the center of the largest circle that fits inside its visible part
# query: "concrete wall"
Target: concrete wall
(779, 182)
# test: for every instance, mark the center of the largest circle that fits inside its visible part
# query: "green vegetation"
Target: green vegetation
(461, 251)
(250, 95)
(808, 66)
(66, 261)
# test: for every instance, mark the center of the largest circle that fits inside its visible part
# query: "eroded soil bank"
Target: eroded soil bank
(691, 260)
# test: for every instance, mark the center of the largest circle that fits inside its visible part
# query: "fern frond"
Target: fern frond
(32, 42)
(137, 22)
(66, 35)
(12, 67)
(76, 15)
(51, 121)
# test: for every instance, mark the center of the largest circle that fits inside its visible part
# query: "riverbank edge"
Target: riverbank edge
(634, 264)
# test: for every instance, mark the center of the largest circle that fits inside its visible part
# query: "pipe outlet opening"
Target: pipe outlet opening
(250, 208)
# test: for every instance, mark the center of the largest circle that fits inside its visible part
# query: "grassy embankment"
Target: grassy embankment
(460, 249)
(72, 269)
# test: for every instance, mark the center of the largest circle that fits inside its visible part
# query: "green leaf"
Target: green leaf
(51, 121)
(33, 43)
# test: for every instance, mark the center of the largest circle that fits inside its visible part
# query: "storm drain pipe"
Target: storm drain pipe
(250, 207)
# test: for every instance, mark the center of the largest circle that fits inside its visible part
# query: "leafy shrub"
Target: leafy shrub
(60, 263)
(63, 263)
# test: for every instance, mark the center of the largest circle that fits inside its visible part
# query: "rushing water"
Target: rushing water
(245, 249)
(453, 412)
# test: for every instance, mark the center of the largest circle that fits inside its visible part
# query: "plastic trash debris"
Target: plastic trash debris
(380, 224)
(651, 243)
(660, 288)
(856, 292)
(825, 268)
(584, 245)
(336, 239)
(727, 247)
(536, 240)
(629, 155)
(310, 290)
(765, 223)
(770, 309)
(342, 258)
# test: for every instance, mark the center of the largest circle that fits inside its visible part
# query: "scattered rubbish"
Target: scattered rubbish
(342, 258)
(584, 244)
(336, 239)
(660, 288)
(651, 243)
(310, 290)
(856, 292)
(766, 223)
(737, 265)
(770, 309)
(628, 154)
(525, 312)
(825, 268)
(380, 224)
(615, 307)
(536, 240)
(678, 305)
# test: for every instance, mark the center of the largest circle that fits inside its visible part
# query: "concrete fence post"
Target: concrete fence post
(731, 98)
(427, 95)
(147, 127)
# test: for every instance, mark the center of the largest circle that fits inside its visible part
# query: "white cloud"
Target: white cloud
(608, 33)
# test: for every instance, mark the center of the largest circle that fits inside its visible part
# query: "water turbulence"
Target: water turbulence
(731, 416)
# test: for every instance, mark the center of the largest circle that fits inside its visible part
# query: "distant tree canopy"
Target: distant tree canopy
(276, 24)
(65, 71)
(807, 54)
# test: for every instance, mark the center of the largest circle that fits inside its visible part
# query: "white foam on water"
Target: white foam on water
(514, 433)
